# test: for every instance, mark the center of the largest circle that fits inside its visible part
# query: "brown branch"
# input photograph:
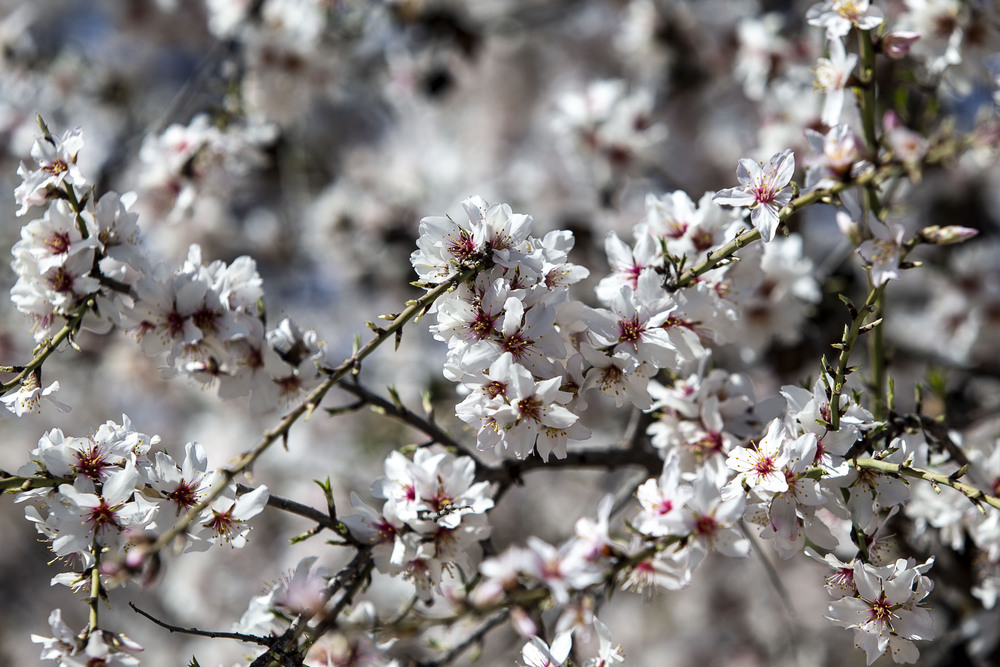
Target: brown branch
(239, 636)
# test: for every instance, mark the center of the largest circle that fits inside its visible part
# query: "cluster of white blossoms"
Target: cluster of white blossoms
(205, 322)
(109, 495)
(80, 249)
(87, 258)
(504, 344)
(186, 166)
(432, 521)
(729, 459)
(526, 353)
(608, 122)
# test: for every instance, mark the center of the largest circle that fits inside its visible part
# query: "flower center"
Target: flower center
(56, 167)
(630, 330)
(530, 408)
(57, 242)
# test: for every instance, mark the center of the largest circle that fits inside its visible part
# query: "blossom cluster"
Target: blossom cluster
(432, 521)
(110, 494)
(204, 320)
(504, 346)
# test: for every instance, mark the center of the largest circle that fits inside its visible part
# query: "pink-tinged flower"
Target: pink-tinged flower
(764, 190)
(670, 569)
(627, 263)
(711, 520)
(838, 155)
(884, 251)
(907, 146)
(838, 16)
(832, 75)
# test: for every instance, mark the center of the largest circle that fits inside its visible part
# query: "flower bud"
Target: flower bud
(523, 624)
(947, 235)
(897, 44)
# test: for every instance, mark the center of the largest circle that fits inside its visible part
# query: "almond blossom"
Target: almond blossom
(839, 16)
(764, 188)
(885, 251)
(886, 611)
(56, 160)
(832, 75)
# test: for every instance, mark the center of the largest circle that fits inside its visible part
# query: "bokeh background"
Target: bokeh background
(313, 135)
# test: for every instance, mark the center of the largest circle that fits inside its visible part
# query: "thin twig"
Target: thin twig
(475, 638)
(73, 321)
(293, 507)
(239, 636)
(425, 426)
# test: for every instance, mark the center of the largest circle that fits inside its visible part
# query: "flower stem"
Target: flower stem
(44, 350)
(869, 113)
(95, 587)
(846, 344)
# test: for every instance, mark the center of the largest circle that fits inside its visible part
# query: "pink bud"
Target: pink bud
(947, 235)
(897, 44)
(522, 622)
(890, 121)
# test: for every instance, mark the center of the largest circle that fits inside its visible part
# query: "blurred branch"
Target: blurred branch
(475, 638)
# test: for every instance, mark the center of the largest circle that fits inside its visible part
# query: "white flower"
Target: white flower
(764, 189)
(761, 466)
(619, 375)
(29, 396)
(635, 324)
(662, 501)
(884, 251)
(226, 520)
(832, 75)
(711, 520)
(837, 16)
(446, 246)
(435, 488)
(608, 653)
(56, 160)
(884, 612)
(64, 641)
(626, 263)
(536, 653)
(838, 155)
